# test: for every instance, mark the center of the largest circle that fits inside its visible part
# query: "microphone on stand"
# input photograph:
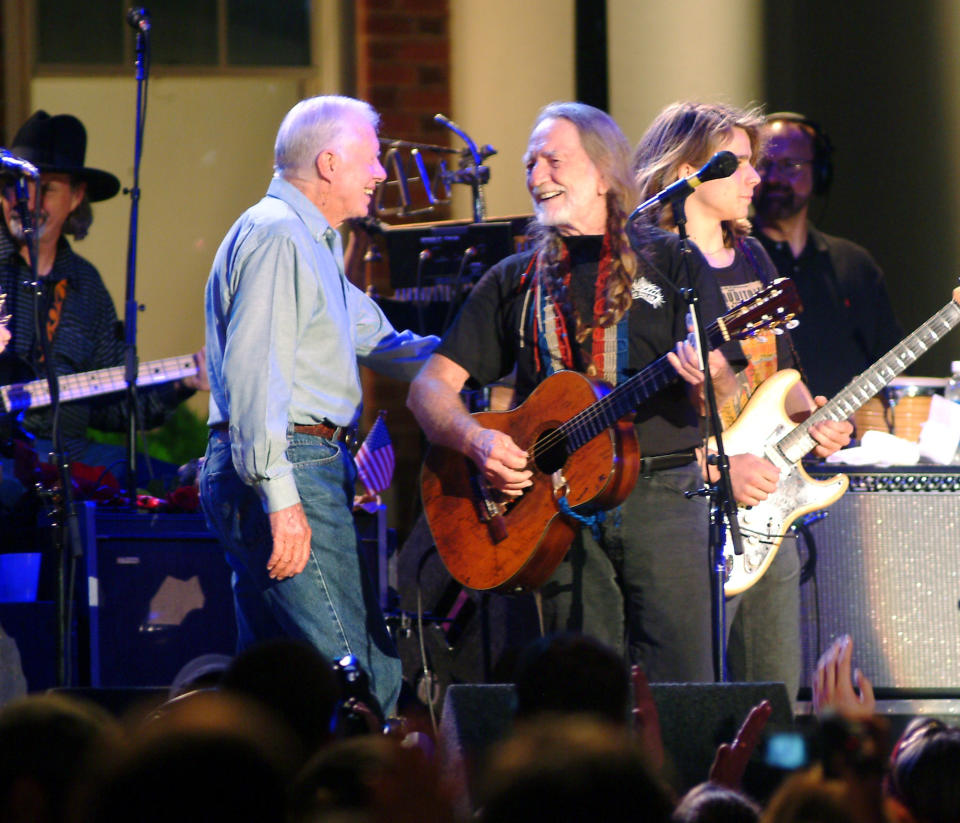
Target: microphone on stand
(11, 164)
(139, 19)
(446, 121)
(722, 164)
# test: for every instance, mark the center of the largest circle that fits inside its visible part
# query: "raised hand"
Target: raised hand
(730, 761)
(834, 687)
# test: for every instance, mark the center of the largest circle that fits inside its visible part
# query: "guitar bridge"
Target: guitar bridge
(490, 509)
(560, 486)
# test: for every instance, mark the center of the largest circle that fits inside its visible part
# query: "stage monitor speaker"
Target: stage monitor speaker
(888, 574)
(695, 718)
(158, 595)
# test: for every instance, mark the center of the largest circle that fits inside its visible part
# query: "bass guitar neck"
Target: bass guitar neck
(34, 394)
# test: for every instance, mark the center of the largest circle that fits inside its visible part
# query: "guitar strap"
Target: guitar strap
(760, 351)
(54, 311)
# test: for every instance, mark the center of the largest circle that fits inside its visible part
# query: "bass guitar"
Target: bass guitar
(19, 397)
(583, 451)
(763, 428)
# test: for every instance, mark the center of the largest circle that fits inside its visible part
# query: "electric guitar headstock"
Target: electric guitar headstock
(774, 307)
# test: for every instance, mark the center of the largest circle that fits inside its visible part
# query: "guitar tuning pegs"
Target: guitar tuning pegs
(793, 323)
(778, 331)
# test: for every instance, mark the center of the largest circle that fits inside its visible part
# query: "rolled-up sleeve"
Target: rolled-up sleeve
(380, 347)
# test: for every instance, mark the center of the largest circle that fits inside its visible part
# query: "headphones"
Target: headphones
(822, 148)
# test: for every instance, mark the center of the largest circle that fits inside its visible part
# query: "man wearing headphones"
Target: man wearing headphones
(848, 322)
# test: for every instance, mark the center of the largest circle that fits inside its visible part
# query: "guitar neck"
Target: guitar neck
(624, 398)
(36, 393)
(858, 391)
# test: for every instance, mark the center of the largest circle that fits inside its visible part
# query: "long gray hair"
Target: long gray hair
(608, 150)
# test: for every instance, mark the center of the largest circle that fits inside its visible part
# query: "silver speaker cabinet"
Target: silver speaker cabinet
(888, 573)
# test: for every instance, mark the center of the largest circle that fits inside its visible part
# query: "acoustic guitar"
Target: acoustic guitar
(583, 451)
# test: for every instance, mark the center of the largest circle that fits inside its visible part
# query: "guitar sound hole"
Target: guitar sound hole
(550, 452)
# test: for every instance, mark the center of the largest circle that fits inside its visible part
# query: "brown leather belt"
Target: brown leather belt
(327, 429)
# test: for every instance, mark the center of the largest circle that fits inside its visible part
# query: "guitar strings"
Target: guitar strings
(894, 361)
(646, 380)
(600, 410)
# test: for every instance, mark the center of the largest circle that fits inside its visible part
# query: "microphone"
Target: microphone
(11, 164)
(446, 121)
(722, 164)
(139, 19)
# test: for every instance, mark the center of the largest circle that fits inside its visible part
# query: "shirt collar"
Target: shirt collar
(318, 225)
(311, 216)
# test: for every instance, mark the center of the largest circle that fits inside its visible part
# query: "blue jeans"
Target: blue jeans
(644, 589)
(332, 603)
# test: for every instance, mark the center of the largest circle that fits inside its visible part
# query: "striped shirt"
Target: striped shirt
(87, 337)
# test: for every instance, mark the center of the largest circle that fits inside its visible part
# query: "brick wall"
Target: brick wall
(403, 65)
(403, 70)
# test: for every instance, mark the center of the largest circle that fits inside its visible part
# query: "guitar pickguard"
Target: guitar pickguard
(764, 526)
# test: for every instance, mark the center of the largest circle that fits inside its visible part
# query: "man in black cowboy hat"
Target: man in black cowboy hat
(81, 321)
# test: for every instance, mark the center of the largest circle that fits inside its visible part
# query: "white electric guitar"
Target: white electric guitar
(19, 397)
(763, 428)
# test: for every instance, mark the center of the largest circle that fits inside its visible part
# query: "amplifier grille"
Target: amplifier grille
(888, 573)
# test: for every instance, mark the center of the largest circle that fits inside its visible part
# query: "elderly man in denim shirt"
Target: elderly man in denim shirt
(285, 333)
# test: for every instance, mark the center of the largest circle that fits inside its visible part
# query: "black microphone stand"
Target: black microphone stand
(66, 531)
(723, 507)
(131, 306)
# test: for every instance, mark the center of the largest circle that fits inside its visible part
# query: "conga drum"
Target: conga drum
(901, 408)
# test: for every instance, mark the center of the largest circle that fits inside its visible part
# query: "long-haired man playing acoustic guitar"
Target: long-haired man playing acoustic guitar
(593, 298)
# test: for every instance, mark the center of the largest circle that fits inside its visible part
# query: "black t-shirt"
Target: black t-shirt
(743, 278)
(494, 330)
(848, 322)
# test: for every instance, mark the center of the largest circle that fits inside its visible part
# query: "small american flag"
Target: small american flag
(374, 459)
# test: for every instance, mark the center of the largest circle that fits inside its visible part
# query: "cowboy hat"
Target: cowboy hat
(58, 144)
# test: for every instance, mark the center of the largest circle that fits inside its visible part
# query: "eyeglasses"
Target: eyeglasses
(788, 167)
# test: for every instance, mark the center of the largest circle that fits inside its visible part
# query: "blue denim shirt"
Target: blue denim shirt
(285, 332)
